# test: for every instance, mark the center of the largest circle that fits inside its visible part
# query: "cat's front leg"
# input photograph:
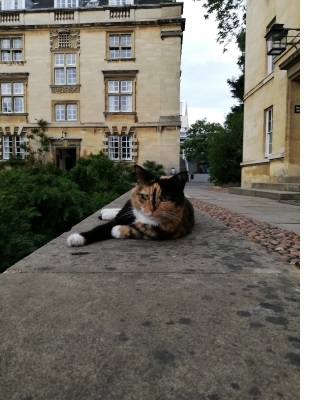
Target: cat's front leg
(76, 240)
(108, 214)
(126, 232)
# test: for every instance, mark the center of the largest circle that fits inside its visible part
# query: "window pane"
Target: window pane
(126, 53)
(5, 56)
(113, 103)
(20, 150)
(113, 86)
(114, 53)
(114, 40)
(17, 43)
(6, 88)
(59, 76)
(71, 59)
(60, 112)
(5, 43)
(126, 86)
(113, 145)
(125, 40)
(18, 88)
(126, 147)
(126, 103)
(59, 59)
(72, 112)
(18, 104)
(17, 55)
(6, 105)
(71, 76)
(7, 147)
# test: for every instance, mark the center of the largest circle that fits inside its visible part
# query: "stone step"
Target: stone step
(269, 194)
(286, 187)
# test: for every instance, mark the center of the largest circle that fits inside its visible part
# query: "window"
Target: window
(65, 69)
(66, 3)
(120, 2)
(65, 112)
(12, 4)
(13, 145)
(119, 96)
(268, 131)
(12, 97)
(120, 46)
(270, 63)
(120, 147)
(11, 49)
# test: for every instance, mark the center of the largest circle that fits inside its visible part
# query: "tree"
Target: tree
(39, 203)
(153, 167)
(237, 85)
(38, 134)
(225, 152)
(230, 16)
(199, 138)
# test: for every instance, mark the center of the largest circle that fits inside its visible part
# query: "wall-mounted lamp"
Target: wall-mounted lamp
(277, 39)
(64, 135)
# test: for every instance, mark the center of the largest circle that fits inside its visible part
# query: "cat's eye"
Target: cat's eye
(165, 198)
(144, 196)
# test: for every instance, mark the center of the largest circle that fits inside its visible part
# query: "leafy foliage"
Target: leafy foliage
(199, 137)
(102, 179)
(153, 167)
(225, 152)
(39, 203)
(38, 134)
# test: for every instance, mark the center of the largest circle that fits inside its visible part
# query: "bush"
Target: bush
(38, 204)
(102, 179)
(153, 167)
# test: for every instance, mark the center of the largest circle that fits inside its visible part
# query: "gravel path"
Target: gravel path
(275, 239)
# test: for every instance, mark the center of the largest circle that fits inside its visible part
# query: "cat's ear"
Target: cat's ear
(143, 176)
(181, 177)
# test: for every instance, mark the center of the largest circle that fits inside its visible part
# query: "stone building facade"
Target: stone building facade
(271, 146)
(104, 74)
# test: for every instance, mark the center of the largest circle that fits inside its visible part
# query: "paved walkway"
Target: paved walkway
(286, 216)
(209, 316)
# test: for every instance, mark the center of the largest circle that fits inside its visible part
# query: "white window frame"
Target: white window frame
(65, 68)
(14, 53)
(120, 147)
(120, 96)
(12, 145)
(270, 64)
(66, 111)
(120, 2)
(268, 131)
(12, 4)
(120, 46)
(66, 3)
(12, 97)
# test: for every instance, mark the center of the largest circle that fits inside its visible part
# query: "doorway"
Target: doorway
(66, 158)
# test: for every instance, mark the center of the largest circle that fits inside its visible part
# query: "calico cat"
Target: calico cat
(157, 210)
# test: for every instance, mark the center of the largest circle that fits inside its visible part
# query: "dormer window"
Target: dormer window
(120, 2)
(12, 4)
(66, 3)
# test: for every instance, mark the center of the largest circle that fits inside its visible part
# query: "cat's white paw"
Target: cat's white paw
(115, 233)
(109, 214)
(76, 240)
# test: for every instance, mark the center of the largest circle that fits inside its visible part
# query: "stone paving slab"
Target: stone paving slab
(209, 316)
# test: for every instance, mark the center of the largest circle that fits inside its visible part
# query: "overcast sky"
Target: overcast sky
(205, 69)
